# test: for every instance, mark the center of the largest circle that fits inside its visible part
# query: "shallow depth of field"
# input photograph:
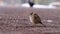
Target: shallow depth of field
(14, 19)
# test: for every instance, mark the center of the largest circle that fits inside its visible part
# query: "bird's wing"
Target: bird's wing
(37, 18)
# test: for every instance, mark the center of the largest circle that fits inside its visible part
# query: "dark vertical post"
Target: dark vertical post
(31, 3)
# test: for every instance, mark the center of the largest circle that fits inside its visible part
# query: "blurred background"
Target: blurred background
(50, 3)
(15, 13)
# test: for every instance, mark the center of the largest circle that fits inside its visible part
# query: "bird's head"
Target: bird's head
(31, 13)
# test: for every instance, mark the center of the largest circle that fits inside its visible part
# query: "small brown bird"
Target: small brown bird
(35, 19)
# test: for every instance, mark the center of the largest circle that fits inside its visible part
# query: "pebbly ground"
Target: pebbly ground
(14, 20)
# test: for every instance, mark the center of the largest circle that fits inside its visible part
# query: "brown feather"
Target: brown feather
(35, 19)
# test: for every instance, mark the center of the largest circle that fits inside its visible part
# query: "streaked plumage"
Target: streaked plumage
(35, 19)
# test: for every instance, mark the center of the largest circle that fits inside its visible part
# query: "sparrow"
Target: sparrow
(35, 19)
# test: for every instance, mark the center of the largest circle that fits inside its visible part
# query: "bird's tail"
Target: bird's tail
(43, 24)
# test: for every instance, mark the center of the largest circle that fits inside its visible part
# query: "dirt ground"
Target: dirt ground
(15, 21)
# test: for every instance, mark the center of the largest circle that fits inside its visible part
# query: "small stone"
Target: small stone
(49, 21)
(16, 20)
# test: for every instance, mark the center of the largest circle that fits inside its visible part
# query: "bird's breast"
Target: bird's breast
(31, 18)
